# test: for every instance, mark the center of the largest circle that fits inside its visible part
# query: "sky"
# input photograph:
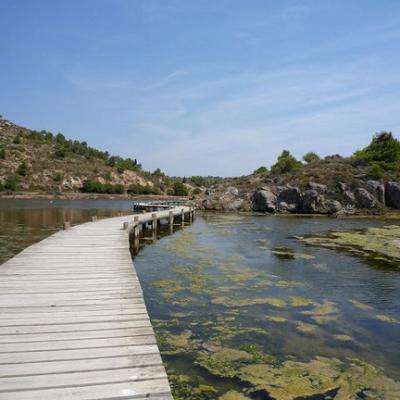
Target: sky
(203, 87)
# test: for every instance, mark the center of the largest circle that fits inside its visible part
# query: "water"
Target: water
(24, 222)
(200, 285)
(233, 315)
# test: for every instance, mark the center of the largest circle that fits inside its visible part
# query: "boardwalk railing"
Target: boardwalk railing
(73, 322)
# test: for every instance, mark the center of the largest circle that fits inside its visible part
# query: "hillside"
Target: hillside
(366, 182)
(33, 161)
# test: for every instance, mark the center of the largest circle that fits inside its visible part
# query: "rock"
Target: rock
(231, 191)
(311, 201)
(364, 199)
(378, 190)
(289, 199)
(392, 194)
(263, 200)
(318, 187)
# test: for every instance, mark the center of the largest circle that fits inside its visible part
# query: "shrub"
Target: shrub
(196, 191)
(376, 171)
(179, 189)
(286, 163)
(11, 183)
(90, 186)
(311, 157)
(2, 153)
(22, 169)
(143, 189)
(261, 170)
(17, 139)
(58, 176)
(1, 186)
(60, 151)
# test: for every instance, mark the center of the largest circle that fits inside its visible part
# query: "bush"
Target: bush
(196, 191)
(179, 189)
(261, 170)
(376, 171)
(311, 157)
(286, 163)
(2, 153)
(1, 186)
(143, 189)
(60, 151)
(11, 183)
(17, 139)
(383, 148)
(90, 186)
(58, 176)
(22, 169)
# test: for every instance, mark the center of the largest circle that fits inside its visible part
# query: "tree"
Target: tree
(311, 157)
(180, 189)
(286, 163)
(383, 148)
(261, 170)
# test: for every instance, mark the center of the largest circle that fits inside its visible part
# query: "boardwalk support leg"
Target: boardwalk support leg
(171, 222)
(183, 217)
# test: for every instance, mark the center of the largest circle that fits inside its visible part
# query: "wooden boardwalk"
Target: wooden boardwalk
(73, 322)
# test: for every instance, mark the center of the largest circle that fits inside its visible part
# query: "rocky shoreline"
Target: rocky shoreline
(374, 197)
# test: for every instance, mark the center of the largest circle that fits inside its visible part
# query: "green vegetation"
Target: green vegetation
(384, 150)
(22, 169)
(285, 163)
(2, 153)
(179, 189)
(11, 183)
(143, 189)
(261, 170)
(311, 157)
(90, 186)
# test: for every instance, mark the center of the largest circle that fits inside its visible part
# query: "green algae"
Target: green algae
(289, 284)
(276, 319)
(174, 344)
(381, 244)
(321, 375)
(360, 305)
(233, 395)
(343, 338)
(387, 318)
(306, 328)
(230, 302)
(288, 254)
(169, 286)
(297, 301)
(323, 312)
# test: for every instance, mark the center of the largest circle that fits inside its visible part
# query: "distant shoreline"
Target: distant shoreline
(84, 196)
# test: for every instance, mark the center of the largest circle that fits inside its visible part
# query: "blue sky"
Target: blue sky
(203, 87)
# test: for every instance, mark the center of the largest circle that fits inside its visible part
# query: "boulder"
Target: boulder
(231, 192)
(289, 199)
(329, 206)
(263, 199)
(392, 194)
(364, 199)
(377, 189)
(311, 201)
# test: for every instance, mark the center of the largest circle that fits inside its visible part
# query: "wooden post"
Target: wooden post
(94, 218)
(183, 217)
(154, 223)
(190, 216)
(171, 222)
(125, 226)
(66, 225)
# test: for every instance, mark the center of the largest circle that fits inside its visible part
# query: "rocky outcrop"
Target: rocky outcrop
(264, 200)
(289, 199)
(392, 194)
(378, 190)
(364, 199)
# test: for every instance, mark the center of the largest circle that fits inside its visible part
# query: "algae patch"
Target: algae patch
(380, 244)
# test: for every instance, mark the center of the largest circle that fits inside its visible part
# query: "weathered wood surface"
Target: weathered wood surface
(73, 322)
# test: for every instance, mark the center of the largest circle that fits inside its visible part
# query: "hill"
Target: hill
(366, 182)
(43, 162)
